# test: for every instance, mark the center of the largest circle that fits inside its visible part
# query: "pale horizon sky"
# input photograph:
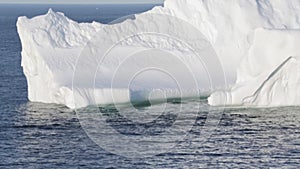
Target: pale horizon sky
(81, 1)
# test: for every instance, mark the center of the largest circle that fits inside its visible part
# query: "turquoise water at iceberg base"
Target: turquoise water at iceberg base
(36, 135)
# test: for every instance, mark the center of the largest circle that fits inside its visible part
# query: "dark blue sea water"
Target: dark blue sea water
(36, 135)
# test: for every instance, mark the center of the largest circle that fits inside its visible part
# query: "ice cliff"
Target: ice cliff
(254, 40)
(269, 74)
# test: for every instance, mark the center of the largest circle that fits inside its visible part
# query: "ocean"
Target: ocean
(37, 135)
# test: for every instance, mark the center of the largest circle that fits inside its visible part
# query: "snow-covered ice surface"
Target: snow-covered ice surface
(255, 42)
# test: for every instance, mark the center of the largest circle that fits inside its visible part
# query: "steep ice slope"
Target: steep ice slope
(269, 75)
(52, 44)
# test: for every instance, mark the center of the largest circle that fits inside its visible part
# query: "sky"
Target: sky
(81, 1)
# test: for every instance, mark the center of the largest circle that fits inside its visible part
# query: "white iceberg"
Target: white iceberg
(60, 63)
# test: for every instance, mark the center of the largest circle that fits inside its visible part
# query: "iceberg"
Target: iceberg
(188, 42)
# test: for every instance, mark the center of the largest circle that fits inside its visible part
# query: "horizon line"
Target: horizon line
(104, 3)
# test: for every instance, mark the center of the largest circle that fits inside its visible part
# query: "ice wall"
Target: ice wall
(50, 44)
